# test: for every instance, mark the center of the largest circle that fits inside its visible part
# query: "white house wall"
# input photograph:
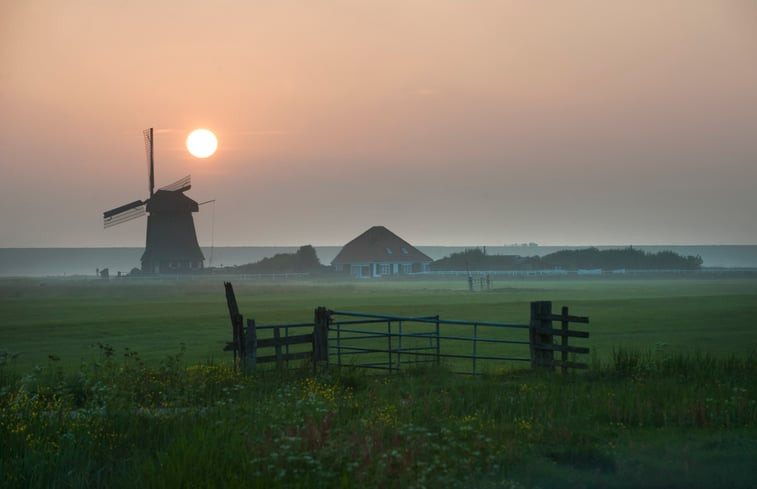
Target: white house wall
(380, 269)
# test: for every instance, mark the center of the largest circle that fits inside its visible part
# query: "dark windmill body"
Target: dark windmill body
(171, 244)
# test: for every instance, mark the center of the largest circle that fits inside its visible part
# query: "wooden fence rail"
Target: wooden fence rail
(402, 346)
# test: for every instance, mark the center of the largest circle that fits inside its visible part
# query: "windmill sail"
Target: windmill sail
(150, 160)
(126, 212)
(182, 185)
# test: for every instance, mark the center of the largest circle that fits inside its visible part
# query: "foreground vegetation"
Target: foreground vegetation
(638, 421)
(96, 392)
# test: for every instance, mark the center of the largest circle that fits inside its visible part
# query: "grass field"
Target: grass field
(68, 318)
(96, 390)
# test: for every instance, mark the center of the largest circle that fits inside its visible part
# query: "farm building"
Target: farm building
(379, 252)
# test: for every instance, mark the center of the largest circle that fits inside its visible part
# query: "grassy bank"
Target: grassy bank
(635, 421)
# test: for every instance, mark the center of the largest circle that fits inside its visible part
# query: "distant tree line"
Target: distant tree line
(304, 260)
(586, 259)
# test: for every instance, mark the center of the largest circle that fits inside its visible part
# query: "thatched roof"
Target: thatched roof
(376, 245)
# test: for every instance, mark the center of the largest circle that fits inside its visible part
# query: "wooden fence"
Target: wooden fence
(542, 334)
(385, 342)
(245, 343)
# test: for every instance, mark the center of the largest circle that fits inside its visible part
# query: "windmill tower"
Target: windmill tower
(171, 243)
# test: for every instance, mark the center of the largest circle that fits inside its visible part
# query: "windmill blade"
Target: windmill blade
(150, 161)
(124, 217)
(126, 212)
(183, 184)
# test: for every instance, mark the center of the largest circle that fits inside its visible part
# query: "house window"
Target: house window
(386, 269)
(388, 251)
(404, 251)
(407, 268)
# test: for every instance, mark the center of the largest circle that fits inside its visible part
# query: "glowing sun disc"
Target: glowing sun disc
(202, 143)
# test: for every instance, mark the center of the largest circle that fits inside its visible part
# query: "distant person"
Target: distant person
(470, 283)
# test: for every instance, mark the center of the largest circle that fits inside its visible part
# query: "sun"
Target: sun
(202, 143)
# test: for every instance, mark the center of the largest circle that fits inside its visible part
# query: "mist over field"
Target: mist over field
(37, 262)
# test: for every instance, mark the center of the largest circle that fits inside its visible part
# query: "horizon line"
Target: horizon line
(514, 245)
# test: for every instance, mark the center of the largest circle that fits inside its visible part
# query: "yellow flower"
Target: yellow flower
(523, 424)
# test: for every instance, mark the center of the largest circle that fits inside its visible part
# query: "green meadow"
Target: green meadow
(124, 384)
(69, 318)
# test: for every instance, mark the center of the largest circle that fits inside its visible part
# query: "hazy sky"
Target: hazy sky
(449, 122)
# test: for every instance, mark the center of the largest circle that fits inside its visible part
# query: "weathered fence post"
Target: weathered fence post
(539, 334)
(564, 340)
(339, 344)
(321, 320)
(237, 325)
(277, 347)
(250, 355)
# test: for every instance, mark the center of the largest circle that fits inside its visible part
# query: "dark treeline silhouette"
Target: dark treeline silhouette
(304, 260)
(586, 259)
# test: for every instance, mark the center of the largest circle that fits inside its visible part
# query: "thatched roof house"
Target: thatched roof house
(379, 252)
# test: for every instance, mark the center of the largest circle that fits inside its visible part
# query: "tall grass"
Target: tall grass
(122, 422)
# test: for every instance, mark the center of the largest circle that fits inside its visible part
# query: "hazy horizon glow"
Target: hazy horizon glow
(571, 123)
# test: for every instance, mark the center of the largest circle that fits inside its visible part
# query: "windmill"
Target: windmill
(171, 243)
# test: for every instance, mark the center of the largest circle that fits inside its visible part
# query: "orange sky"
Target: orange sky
(449, 122)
